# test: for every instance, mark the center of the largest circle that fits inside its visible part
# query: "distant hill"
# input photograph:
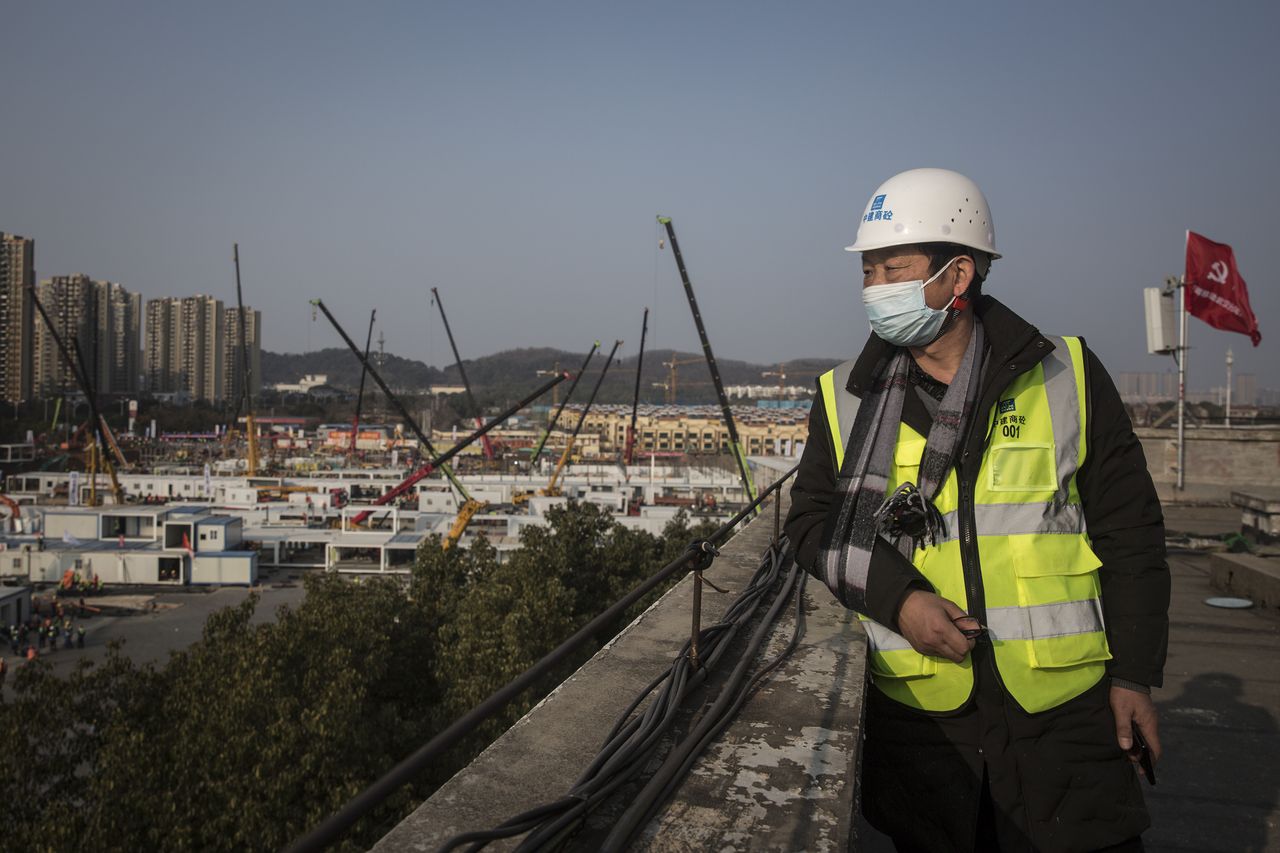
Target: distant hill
(344, 371)
(509, 375)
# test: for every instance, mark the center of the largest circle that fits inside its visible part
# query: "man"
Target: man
(974, 490)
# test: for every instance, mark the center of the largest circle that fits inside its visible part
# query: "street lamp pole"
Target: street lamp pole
(1228, 409)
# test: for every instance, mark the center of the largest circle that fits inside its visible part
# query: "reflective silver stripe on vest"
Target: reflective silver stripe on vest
(1039, 622)
(1064, 411)
(881, 639)
(1045, 620)
(1042, 621)
(846, 403)
(1015, 519)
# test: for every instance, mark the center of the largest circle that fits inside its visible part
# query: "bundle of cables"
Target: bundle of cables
(636, 735)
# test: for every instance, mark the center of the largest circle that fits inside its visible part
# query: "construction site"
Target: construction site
(259, 494)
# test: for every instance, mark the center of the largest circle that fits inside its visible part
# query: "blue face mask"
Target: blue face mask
(899, 314)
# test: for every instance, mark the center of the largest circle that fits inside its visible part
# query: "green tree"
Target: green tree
(256, 732)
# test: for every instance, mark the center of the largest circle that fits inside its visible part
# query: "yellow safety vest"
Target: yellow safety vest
(1038, 573)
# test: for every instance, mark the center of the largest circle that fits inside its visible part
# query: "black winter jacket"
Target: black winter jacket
(1057, 779)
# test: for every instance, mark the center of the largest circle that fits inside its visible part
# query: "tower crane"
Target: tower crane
(554, 371)
(674, 366)
(781, 373)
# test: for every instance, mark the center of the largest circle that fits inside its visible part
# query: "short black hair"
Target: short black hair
(940, 253)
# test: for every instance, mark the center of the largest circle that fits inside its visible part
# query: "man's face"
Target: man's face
(907, 263)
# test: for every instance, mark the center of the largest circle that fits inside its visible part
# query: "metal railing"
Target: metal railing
(696, 558)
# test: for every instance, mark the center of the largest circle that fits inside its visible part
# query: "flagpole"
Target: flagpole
(1228, 407)
(1182, 380)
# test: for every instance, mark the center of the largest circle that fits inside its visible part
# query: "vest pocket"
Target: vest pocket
(1059, 652)
(1060, 613)
(892, 656)
(1022, 467)
(906, 463)
(906, 663)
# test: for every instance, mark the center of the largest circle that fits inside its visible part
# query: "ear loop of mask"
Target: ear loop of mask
(955, 307)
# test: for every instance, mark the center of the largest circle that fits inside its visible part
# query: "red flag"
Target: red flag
(1215, 292)
(186, 542)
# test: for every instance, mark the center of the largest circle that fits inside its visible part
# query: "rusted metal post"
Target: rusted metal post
(777, 514)
(697, 618)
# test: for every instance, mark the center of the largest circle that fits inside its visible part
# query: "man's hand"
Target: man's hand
(926, 620)
(1132, 708)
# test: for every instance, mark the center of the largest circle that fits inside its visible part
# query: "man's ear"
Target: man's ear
(964, 272)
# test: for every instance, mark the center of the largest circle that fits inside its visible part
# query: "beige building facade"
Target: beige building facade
(103, 320)
(695, 430)
(17, 318)
(193, 347)
(233, 358)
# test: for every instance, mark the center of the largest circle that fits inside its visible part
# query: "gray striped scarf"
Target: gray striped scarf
(864, 512)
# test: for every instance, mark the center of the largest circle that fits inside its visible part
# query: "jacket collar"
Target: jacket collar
(1011, 341)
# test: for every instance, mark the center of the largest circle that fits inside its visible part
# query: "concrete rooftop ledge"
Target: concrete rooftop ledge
(782, 776)
(1256, 578)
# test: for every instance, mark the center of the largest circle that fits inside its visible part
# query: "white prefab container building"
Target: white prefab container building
(15, 604)
(70, 525)
(225, 567)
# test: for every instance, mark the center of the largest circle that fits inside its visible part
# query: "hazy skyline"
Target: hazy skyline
(515, 156)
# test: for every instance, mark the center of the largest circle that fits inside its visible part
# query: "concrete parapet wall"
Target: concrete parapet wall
(1218, 461)
(782, 776)
(1244, 575)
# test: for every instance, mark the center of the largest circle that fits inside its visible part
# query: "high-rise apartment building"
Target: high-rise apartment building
(186, 342)
(120, 339)
(17, 317)
(233, 364)
(99, 317)
(71, 303)
(159, 362)
(1147, 386)
(1246, 390)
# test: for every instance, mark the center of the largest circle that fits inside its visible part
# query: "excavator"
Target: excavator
(15, 512)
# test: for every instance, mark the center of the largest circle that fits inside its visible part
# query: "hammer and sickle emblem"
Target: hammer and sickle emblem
(1218, 272)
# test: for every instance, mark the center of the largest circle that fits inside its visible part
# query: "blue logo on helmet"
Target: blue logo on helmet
(877, 211)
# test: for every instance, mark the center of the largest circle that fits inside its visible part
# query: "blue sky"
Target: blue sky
(515, 155)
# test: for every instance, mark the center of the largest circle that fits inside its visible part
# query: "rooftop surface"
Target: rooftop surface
(1218, 785)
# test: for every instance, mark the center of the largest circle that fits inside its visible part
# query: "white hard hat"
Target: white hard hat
(926, 206)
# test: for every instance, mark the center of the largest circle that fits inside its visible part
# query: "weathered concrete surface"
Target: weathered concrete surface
(782, 776)
(1244, 575)
(1218, 461)
(1219, 781)
(1260, 512)
(1191, 521)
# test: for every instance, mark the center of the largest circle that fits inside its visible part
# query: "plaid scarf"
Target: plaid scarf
(908, 519)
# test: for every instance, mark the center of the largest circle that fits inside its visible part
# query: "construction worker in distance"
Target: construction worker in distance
(973, 489)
